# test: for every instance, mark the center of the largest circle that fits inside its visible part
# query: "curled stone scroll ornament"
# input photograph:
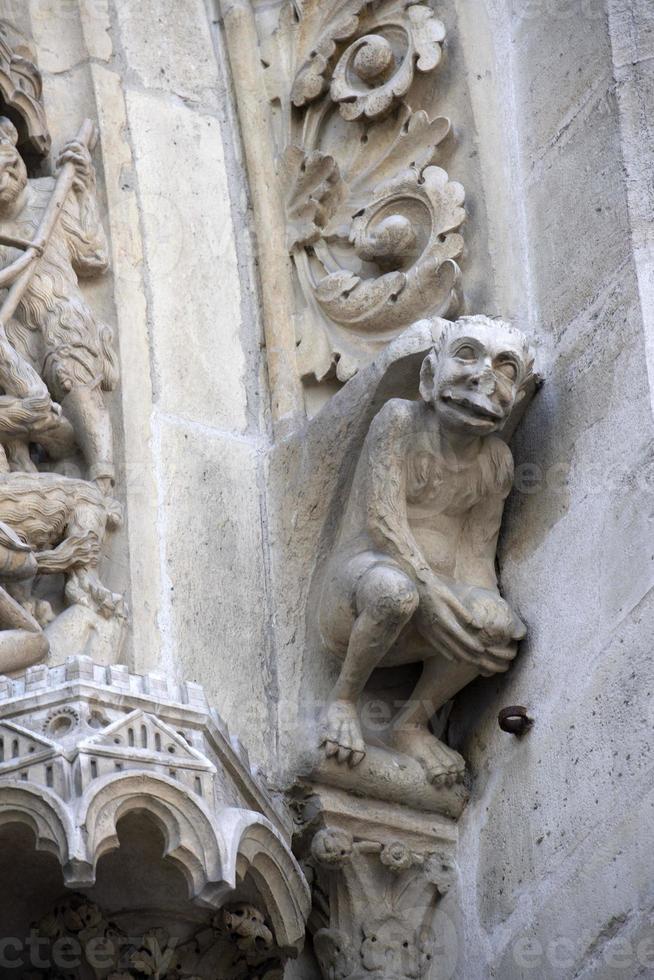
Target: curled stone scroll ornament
(372, 223)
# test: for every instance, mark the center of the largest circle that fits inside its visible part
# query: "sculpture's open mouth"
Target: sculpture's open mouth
(478, 410)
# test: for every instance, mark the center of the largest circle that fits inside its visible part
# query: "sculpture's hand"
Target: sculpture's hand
(493, 617)
(42, 414)
(442, 614)
(484, 634)
(76, 551)
(78, 154)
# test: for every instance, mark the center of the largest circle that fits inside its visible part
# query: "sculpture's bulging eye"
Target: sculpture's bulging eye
(467, 353)
(509, 369)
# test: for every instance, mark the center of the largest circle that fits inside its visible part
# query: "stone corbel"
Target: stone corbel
(82, 746)
(378, 872)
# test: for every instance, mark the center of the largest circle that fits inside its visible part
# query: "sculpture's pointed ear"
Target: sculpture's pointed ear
(428, 377)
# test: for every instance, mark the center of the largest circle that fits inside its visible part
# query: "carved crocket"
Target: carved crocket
(412, 577)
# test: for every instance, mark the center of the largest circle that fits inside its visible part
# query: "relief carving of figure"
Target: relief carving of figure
(412, 577)
(53, 327)
(56, 359)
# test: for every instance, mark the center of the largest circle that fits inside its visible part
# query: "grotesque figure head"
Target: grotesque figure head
(13, 173)
(476, 374)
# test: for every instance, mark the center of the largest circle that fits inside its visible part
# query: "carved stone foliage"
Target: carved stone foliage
(56, 359)
(82, 746)
(233, 944)
(373, 224)
(378, 873)
(412, 575)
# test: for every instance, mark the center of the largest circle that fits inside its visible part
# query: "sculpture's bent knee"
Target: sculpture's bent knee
(388, 594)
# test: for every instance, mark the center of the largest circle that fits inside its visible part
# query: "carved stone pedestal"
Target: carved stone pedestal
(135, 834)
(378, 871)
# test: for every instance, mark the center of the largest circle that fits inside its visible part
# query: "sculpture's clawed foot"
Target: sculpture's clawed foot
(85, 588)
(341, 733)
(443, 765)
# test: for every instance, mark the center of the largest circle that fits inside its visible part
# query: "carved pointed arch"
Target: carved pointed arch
(259, 852)
(46, 816)
(190, 835)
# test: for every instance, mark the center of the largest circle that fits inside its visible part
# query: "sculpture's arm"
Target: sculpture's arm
(75, 551)
(386, 449)
(475, 561)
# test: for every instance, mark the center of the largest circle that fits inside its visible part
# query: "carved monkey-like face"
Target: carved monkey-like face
(13, 174)
(477, 376)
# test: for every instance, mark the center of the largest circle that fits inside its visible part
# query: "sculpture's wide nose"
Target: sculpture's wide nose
(485, 381)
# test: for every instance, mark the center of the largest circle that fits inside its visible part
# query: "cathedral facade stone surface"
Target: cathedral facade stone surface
(326, 428)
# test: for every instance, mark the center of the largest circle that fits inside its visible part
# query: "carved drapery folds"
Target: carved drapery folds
(372, 222)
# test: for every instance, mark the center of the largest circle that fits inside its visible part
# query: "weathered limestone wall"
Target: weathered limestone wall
(191, 411)
(555, 851)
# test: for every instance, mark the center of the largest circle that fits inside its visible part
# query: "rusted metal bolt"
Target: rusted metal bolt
(515, 720)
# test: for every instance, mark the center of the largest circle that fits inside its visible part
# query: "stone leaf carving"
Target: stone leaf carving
(315, 191)
(21, 91)
(378, 68)
(319, 29)
(406, 227)
(412, 575)
(393, 39)
(228, 945)
(372, 224)
(376, 887)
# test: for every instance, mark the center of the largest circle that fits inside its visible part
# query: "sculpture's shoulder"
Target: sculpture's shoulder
(498, 460)
(397, 413)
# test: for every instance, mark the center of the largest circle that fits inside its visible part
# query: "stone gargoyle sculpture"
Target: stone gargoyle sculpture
(412, 576)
